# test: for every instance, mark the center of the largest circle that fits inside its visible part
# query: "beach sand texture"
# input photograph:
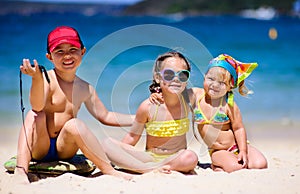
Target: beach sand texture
(281, 149)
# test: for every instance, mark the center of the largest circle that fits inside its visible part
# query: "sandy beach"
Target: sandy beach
(121, 52)
(281, 148)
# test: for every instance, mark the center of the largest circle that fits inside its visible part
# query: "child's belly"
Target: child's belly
(216, 138)
(166, 145)
(56, 121)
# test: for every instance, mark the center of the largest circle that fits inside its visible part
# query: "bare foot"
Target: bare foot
(165, 169)
(20, 176)
(120, 174)
(216, 168)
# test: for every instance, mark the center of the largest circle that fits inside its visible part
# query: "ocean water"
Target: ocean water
(122, 49)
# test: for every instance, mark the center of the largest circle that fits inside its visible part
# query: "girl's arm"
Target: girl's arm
(138, 125)
(239, 133)
(135, 133)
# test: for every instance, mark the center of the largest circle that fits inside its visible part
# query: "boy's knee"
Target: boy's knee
(36, 115)
(34, 120)
(74, 126)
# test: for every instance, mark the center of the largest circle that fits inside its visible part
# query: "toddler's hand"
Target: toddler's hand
(156, 98)
(243, 159)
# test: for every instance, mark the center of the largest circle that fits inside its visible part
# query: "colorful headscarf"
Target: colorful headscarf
(238, 70)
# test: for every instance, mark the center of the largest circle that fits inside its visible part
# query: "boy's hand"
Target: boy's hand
(156, 98)
(30, 70)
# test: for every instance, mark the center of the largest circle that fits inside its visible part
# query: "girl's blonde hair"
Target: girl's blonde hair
(226, 76)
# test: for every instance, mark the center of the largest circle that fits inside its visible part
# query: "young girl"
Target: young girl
(219, 119)
(166, 125)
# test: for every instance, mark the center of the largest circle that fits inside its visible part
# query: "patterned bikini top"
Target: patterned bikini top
(219, 117)
(170, 128)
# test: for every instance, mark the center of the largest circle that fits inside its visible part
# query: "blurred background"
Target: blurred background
(265, 31)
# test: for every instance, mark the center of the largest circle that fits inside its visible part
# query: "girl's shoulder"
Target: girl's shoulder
(198, 91)
(145, 110)
(195, 93)
(146, 105)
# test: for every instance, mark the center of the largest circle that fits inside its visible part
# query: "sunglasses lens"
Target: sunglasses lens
(183, 76)
(168, 75)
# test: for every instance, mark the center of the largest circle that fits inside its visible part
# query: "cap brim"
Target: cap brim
(65, 41)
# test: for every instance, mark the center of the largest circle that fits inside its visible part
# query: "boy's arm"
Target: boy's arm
(98, 110)
(37, 90)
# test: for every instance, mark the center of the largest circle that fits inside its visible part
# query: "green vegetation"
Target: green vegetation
(206, 6)
(146, 7)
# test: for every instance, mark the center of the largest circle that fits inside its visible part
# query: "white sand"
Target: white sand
(281, 149)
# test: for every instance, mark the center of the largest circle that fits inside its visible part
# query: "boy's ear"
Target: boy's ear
(83, 51)
(49, 56)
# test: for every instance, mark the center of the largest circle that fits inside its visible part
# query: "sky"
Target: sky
(88, 1)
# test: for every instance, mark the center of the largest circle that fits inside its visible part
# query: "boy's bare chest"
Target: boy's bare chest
(64, 100)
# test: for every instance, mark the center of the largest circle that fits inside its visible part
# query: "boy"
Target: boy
(52, 130)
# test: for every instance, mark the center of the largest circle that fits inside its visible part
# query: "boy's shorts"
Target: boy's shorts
(52, 152)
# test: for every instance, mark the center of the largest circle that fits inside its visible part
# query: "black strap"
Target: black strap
(43, 70)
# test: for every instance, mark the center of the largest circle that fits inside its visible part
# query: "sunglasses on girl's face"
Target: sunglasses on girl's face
(169, 75)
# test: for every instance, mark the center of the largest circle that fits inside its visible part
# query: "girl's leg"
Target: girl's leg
(127, 157)
(185, 161)
(75, 135)
(33, 141)
(226, 161)
(256, 159)
(141, 155)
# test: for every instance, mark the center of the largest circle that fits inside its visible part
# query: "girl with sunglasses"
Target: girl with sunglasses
(166, 125)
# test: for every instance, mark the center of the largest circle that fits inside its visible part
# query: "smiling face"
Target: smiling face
(66, 57)
(217, 82)
(174, 86)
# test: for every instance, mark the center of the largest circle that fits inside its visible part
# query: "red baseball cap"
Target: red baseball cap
(63, 34)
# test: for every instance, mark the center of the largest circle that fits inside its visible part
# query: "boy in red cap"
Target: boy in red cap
(51, 130)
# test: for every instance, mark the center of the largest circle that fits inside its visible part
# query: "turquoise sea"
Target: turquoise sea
(122, 49)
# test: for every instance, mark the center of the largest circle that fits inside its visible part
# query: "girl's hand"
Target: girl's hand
(156, 98)
(27, 69)
(243, 159)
